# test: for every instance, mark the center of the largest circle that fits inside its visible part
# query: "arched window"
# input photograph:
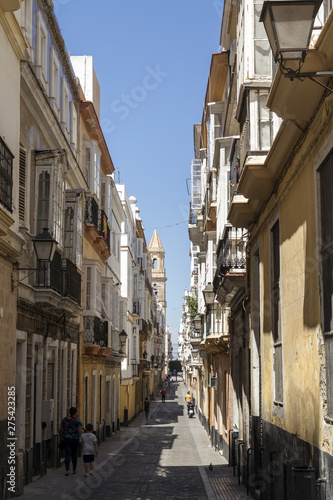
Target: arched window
(155, 263)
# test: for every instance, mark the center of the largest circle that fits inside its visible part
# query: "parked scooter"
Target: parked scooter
(190, 409)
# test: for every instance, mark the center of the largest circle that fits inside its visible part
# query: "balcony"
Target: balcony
(195, 225)
(97, 230)
(136, 308)
(57, 283)
(144, 365)
(217, 344)
(231, 264)
(195, 339)
(95, 331)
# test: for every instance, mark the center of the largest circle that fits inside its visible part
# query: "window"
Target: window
(6, 175)
(93, 289)
(24, 18)
(54, 89)
(88, 287)
(43, 209)
(64, 107)
(50, 186)
(41, 50)
(92, 166)
(217, 125)
(265, 120)
(69, 233)
(326, 251)
(262, 51)
(276, 313)
(73, 131)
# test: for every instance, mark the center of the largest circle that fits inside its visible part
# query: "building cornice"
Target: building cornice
(47, 6)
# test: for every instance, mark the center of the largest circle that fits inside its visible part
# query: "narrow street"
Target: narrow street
(166, 457)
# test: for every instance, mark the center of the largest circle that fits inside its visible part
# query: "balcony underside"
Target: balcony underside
(229, 286)
(216, 344)
(195, 231)
(97, 241)
(256, 181)
(210, 223)
(195, 342)
(242, 211)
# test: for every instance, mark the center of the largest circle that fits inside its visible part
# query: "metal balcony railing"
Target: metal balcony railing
(231, 253)
(95, 330)
(91, 213)
(71, 281)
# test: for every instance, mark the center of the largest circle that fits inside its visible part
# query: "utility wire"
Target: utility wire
(169, 225)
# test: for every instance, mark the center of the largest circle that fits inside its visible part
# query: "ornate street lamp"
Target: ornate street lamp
(289, 25)
(209, 294)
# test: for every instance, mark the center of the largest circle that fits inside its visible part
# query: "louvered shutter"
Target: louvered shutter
(22, 178)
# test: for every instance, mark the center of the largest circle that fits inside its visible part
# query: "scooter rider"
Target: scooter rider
(188, 399)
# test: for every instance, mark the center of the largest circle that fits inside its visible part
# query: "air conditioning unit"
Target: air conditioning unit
(213, 382)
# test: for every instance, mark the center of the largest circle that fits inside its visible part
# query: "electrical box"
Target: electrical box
(47, 410)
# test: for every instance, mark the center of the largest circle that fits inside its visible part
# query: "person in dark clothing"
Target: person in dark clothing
(147, 407)
(70, 431)
(163, 393)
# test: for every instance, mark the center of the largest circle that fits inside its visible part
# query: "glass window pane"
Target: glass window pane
(43, 202)
(259, 29)
(262, 60)
(265, 135)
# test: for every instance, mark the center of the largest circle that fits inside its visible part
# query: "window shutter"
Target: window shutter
(22, 179)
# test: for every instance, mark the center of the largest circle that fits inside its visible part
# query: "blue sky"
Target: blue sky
(152, 61)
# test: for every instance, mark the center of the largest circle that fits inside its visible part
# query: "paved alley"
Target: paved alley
(166, 457)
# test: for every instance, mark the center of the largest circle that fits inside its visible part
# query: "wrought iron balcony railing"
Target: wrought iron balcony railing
(95, 330)
(62, 276)
(72, 281)
(91, 214)
(231, 253)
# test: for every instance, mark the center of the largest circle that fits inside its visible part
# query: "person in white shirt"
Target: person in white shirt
(88, 441)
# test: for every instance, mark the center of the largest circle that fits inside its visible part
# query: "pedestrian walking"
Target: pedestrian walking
(163, 393)
(70, 431)
(147, 407)
(89, 450)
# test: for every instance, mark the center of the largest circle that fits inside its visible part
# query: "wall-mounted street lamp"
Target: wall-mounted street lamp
(209, 294)
(45, 246)
(122, 339)
(289, 25)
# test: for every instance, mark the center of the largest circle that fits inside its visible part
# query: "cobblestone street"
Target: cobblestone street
(166, 457)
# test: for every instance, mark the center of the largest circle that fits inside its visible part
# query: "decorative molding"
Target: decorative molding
(52, 22)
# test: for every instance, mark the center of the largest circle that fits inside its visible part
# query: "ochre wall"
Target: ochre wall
(300, 309)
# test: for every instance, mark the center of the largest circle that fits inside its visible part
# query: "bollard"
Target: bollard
(125, 417)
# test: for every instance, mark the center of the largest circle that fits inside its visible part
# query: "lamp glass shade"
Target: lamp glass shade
(289, 24)
(45, 246)
(197, 322)
(122, 337)
(209, 294)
